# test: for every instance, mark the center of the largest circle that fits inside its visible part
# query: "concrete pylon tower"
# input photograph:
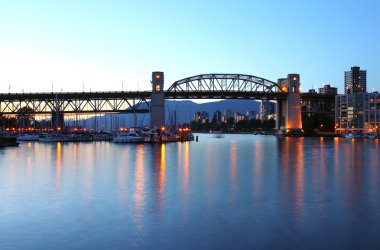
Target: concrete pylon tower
(157, 101)
(289, 110)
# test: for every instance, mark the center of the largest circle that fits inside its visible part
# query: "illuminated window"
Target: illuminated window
(158, 87)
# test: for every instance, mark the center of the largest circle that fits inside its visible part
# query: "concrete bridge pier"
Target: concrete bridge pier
(289, 110)
(57, 120)
(157, 101)
(57, 115)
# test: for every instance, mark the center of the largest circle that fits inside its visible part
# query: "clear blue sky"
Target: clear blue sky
(103, 44)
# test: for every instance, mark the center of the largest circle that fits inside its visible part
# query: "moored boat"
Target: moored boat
(102, 136)
(351, 136)
(53, 138)
(79, 137)
(369, 135)
(128, 137)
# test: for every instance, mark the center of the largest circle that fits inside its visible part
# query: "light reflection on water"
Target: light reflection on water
(139, 187)
(239, 192)
(233, 165)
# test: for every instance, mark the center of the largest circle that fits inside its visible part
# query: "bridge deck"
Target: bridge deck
(121, 101)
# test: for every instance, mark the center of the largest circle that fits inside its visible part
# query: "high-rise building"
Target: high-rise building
(197, 116)
(217, 117)
(228, 114)
(201, 117)
(249, 115)
(238, 117)
(355, 81)
(266, 109)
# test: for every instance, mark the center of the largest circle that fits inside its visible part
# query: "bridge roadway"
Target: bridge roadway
(122, 101)
(109, 102)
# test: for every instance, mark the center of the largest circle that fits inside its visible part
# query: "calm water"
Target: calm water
(238, 192)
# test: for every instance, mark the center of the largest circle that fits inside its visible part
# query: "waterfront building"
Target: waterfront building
(328, 90)
(357, 112)
(355, 81)
(321, 102)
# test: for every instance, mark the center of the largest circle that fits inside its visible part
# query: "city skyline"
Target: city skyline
(116, 45)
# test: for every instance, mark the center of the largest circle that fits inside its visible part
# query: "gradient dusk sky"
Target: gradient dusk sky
(103, 45)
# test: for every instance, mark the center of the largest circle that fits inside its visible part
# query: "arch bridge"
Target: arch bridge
(225, 86)
(231, 86)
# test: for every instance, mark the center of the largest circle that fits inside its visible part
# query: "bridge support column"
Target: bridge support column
(157, 101)
(289, 110)
(57, 115)
(57, 120)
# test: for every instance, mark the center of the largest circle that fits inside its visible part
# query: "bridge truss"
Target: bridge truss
(224, 86)
(74, 103)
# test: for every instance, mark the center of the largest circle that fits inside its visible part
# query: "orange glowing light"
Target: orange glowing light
(294, 78)
(163, 128)
(158, 87)
(158, 76)
(284, 88)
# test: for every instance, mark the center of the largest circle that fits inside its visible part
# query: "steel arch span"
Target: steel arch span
(225, 83)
